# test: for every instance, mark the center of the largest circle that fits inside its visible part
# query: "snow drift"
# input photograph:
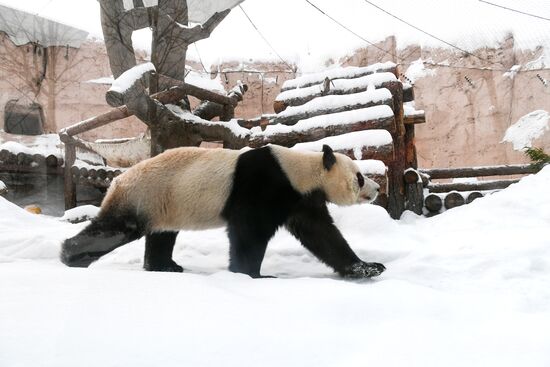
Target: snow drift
(466, 288)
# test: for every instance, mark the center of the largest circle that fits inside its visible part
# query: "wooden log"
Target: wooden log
(324, 89)
(414, 119)
(75, 171)
(110, 174)
(117, 98)
(292, 138)
(302, 114)
(102, 173)
(396, 169)
(23, 159)
(471, 186)
(511, 169)
(69, 183)
(473, 196)
(433, 203)
(382, 153)
(414, 197)
(366, 71)
(52, 161)
(197, 92)
(411, 176)
(83, 172)
(39, 159)
(92, 173)
(4, 155)
(453, 199)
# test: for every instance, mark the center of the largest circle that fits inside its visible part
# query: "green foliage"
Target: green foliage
(538, 157)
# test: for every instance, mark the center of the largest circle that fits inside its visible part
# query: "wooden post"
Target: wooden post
(396, 169)
(70, 186)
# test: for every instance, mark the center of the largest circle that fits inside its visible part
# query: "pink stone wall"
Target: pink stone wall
(465, 122)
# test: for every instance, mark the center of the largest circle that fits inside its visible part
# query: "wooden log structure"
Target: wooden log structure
(320, 77)
(471, 186)
(291, 117)
(462, 172)
(293, 137)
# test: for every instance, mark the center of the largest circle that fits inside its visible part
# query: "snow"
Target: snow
(512, 72)
(336, 73)
(409, 109)
(232, 125)
(372, 166)
(355, 141)
(192, 77)
(2, 186)
(308, 38)
(417, 70)
(337, 101)
(466, 288)
(130, 76)
(324, 121)
(80, 213)
(45, 145)
(339, 85)
(528, 128)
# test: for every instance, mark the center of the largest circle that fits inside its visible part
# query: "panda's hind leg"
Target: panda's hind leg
(158, 252)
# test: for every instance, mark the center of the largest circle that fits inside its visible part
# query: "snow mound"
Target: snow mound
(460, 287)
(80, 214)
(526, 129)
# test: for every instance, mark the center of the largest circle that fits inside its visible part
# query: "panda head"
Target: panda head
(342, 181)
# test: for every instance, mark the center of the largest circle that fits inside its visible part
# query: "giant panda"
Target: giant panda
(253, 193)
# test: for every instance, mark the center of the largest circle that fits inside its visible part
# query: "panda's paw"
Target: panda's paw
(364, 270)
(168, 267)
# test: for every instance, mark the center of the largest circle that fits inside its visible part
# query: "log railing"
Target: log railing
(448, 195)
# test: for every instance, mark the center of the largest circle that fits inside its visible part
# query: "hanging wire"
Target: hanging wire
(265, 39)
(426, 33)
(352, 32)
(200, 59)
(514, 10)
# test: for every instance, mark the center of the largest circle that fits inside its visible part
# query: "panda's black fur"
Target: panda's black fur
(261, 199)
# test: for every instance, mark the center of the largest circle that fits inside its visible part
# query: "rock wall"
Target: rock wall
(469, 101)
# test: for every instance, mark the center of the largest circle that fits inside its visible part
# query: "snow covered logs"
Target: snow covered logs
(345, 101)
(465, 187)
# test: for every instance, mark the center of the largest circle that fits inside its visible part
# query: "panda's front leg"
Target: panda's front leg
(247, 246)
(311, 223)
(158, 252)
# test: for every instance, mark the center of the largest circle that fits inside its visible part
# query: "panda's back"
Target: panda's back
(182, 188)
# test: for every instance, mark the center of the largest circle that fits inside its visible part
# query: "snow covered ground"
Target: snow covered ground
(467, 288)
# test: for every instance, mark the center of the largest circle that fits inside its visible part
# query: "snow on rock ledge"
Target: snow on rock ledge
(527, 128)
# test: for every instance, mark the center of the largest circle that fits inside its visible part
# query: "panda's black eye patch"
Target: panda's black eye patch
(360, 179)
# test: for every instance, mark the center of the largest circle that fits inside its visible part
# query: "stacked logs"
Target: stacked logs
(23, 162)
(454, 194)
(99, 176)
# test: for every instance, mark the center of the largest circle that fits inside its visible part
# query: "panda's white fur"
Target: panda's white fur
(180, 189)
(252, 192)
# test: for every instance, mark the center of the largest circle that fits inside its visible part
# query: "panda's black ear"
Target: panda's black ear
(329, 159)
